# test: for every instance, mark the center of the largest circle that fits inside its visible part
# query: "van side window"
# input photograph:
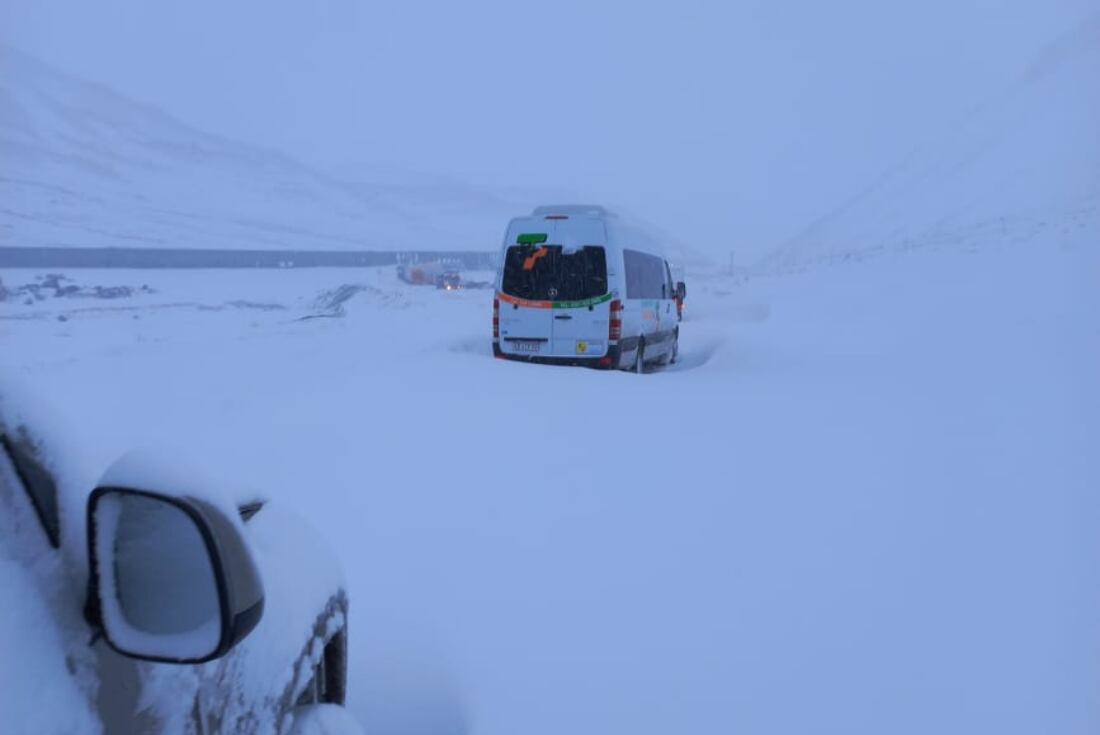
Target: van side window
(633, 274)
(645, 278)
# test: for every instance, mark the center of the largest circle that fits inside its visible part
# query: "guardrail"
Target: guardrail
(68, 257)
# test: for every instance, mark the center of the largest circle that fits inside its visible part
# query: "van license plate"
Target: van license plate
(525, 345)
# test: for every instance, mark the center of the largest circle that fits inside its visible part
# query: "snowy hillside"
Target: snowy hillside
(83, 166)
(1023, 168)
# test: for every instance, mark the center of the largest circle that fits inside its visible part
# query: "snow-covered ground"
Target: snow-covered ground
(864, 502)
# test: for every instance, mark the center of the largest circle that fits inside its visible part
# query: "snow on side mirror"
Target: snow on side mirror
(171, 577)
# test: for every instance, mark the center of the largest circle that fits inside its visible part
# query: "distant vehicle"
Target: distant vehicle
(577, 285)
(449, 281)
(419, 274)
(197, 615)
(429, 273)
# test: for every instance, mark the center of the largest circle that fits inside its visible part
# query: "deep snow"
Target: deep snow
(866, 501)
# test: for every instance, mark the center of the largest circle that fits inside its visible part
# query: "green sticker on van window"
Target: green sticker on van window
(582, 303)
(531, 238)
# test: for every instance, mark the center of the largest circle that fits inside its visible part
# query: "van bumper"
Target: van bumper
(608, 361)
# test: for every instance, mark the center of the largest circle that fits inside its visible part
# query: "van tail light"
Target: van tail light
(496, 319)
(615, 323)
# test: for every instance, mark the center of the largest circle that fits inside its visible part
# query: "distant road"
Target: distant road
(25, 257)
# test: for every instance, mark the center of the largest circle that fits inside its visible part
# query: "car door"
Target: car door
(525, 328)
(45, 658)
(580, 328)
(525, 313)
(643, 291)
(582, 305)
(653, 305)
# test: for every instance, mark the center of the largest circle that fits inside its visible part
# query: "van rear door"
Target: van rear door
(525, 328)
(526, 322)
(582, 308)
(554, 300)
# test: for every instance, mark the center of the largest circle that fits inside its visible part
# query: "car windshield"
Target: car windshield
(546, 273)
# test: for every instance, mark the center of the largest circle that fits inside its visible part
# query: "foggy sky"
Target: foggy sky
(731, 124)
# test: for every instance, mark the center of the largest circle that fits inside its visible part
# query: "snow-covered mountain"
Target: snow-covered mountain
(1023, 168)
(81, 165)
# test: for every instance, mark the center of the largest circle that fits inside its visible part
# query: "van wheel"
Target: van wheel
(639, 358)
(669, 355)
(675, 356)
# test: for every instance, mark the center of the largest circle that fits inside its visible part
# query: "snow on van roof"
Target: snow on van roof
(587, 224)
(593, 210)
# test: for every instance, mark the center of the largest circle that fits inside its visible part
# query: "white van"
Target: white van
(578, 285)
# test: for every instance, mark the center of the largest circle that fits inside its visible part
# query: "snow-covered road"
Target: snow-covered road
(865, 501)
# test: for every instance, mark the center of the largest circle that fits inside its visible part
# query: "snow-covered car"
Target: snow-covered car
(150, 600)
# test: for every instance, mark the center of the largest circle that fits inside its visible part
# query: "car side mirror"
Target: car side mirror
(171, 578)
(681, 290)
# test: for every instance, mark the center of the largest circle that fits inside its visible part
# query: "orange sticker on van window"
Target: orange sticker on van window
(529, 261)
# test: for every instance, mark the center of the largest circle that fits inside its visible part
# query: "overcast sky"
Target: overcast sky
(729, 123)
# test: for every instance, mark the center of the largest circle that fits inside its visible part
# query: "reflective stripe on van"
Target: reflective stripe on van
(526, 303)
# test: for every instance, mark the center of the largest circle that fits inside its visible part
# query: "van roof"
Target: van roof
(592, 210)
(575, 225)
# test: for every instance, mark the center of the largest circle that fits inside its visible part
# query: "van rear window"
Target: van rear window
(545, 273)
